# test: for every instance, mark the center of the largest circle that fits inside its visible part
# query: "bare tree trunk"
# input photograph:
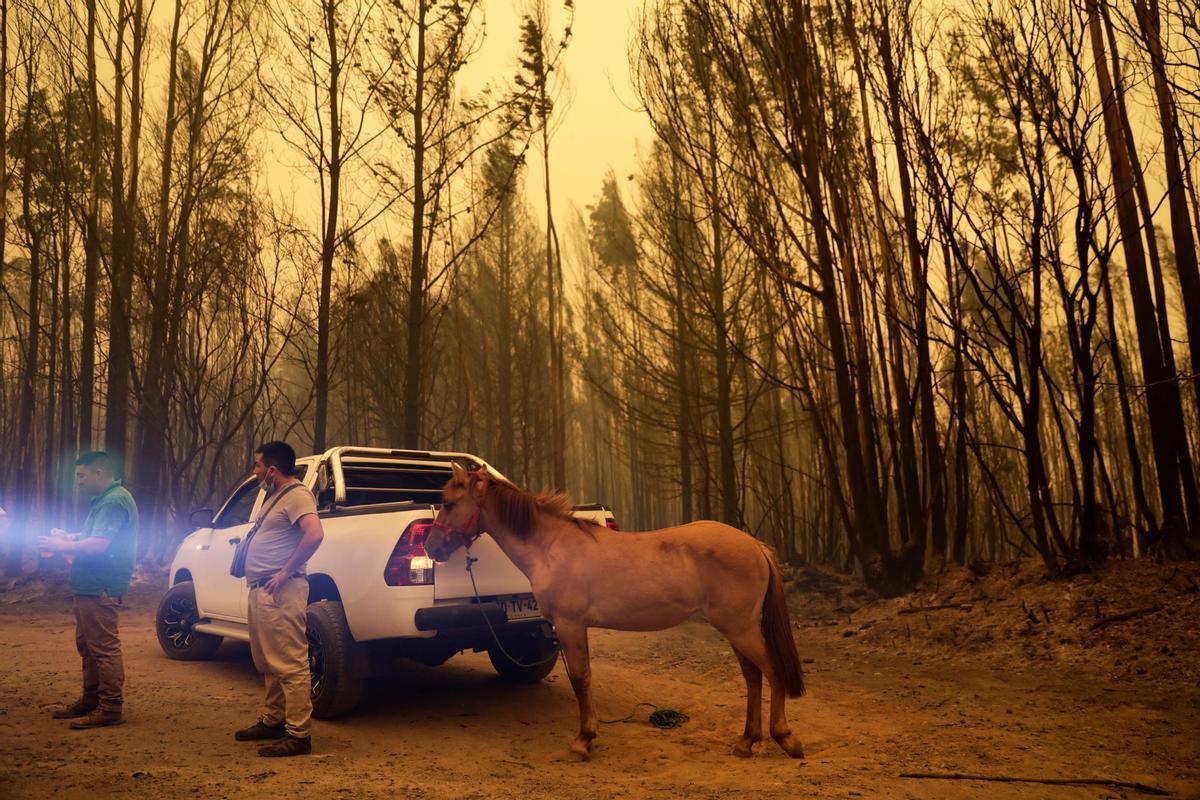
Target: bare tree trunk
(683, 432)
(67, 415)
(881, 568)
(1156, 373)
(152, 417)
(906, 475)
(27, 481)
(1191, 497)
(504, 394)
(1181, 224)
(1031, 402)
(554, 307)
(124, 199)
(47, 474)
(330, 232)
(3, 136)
(91, 246)
(1080, 331)
(730, 507)
(1149, 520)
(417, 268)
(933, 515)
(1181, 227)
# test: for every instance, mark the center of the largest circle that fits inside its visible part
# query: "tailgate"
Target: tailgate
(495, 574)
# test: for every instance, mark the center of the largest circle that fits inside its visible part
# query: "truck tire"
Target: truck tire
(535, 654)
(174, 623)
(336, 662)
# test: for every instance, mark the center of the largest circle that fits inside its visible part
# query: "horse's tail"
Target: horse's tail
(777, 630)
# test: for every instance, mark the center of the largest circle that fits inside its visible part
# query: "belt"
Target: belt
(261, 582)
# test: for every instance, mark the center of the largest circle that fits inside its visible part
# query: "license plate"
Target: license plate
(520, 607)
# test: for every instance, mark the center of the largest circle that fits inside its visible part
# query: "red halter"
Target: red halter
(468, 539)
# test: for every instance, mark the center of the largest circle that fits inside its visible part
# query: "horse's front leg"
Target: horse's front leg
(573, 638)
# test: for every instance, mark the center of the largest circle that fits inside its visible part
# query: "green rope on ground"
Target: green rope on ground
(659, 717)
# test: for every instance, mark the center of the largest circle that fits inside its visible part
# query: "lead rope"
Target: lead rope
(478, 600)
(660, 717)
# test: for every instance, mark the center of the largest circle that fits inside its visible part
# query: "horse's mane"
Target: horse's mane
(517, 509)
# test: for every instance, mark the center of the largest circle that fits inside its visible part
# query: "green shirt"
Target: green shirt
(113, 516)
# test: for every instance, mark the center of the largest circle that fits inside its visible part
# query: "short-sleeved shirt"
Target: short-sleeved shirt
(113, 516)
(278, 534)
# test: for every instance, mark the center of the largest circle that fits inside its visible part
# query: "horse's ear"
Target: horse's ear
(480, 480)
(457, 471)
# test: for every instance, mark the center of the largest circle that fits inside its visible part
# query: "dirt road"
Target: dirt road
(457, 732)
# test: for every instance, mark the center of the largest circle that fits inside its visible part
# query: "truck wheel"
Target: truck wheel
(336, 662)
(535, 656)
(174, 624)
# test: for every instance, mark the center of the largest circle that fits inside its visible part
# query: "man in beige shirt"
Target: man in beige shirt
(286, 534)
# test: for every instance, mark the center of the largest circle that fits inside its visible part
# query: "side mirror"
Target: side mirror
(201, 518)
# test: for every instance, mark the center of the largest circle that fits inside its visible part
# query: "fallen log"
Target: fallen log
(919, 609)
(958, 776)
(1127, 615)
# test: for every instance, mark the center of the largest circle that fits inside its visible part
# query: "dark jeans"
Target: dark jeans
(99, 645)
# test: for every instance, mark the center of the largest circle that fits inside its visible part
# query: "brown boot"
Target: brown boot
(258, 731)
(80, 708)
(287, 746)
(100, 718)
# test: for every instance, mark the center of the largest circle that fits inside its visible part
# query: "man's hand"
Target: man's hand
(55, 543)
(277, 581)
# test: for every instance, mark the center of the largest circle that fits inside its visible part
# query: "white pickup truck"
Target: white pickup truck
(374, 594)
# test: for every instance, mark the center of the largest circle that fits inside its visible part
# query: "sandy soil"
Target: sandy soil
(977, 689)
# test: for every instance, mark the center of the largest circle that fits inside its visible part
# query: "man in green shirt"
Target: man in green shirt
(103, 564)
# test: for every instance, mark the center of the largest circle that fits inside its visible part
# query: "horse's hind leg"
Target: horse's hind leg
(781, 732)
(744, 747)
(751, 645)
(573, 639)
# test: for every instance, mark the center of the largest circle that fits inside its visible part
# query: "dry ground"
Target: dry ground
(1013, 681)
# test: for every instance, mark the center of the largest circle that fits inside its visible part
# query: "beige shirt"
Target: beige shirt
(278, 534)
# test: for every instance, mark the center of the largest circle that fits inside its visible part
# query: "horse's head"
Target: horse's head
(457, 524)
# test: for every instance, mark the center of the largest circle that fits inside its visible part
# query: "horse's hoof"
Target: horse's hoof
(743, 748)
(791, 745)
(581, 749)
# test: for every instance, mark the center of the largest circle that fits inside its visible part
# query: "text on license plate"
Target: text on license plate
(520, 607)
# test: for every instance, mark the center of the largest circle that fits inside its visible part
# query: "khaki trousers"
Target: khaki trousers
(279, 645)
(99, 645)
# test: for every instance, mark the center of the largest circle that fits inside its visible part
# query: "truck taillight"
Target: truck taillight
(409, 564)
(612, 524)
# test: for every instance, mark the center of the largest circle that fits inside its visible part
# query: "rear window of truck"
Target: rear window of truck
(371, 483)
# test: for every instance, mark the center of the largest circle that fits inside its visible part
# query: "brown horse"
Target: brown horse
(584, 575)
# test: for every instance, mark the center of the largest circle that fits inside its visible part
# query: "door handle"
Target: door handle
(235, 540)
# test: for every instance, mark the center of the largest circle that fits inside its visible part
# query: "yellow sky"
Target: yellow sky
(599, 127)
(597, 124)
